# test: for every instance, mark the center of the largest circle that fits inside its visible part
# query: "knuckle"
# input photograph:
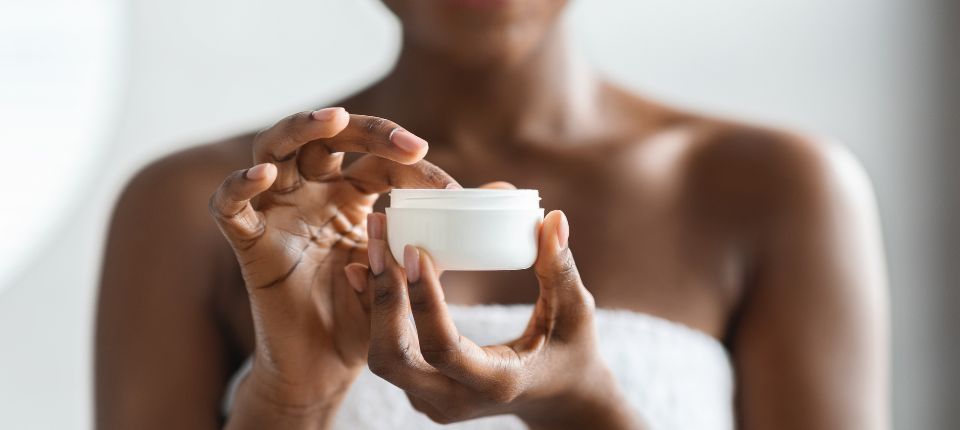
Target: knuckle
(379, 365)
(504, 391)
(372, 124)
(442, 357)
(439, 418)
(435, 175)
(291, 130)
(382, 362)
(383, 295)
(582, 310)
(386, 361)
(563, 273)
(459, 412)
(444, 418)
(403, 353)
(296, 121)
(291, 134)
(567, 270)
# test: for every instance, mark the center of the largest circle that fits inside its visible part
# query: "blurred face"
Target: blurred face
(478, 32)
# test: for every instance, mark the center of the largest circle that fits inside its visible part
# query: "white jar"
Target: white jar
(466, 229)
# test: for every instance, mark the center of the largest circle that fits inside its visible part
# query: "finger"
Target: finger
(357, 276)
(375, 175)
(345, 305)
(321, 158)
(279, 143)
(564, 303)
(394, 354)
(498, 185)
(440, 343)
(490, 370)
(230, 204)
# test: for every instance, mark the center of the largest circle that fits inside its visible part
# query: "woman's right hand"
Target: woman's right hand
(294, 220)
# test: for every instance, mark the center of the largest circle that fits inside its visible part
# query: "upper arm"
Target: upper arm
(160, 356)
(810, 337)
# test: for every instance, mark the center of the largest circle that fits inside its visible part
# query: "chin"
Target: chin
(493, 49)
(478, 33)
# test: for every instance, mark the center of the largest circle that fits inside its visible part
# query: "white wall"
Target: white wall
(857, 70)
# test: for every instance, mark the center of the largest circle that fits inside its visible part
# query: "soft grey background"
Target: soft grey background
(876, 74)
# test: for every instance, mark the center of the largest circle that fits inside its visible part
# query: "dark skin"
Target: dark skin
(764, 239)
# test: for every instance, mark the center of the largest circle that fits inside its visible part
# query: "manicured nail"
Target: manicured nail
(563, 231)
(326, 114)
(258, 172)
(375, 250)
(376, 246)
(411, 263)
(374, 226)
(454, 186)
(406, 140)
(356, 277)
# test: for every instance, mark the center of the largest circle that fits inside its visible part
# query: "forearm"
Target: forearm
(258, 407)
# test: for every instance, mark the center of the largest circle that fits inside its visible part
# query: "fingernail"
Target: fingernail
(411, 263)
(375, 250)
(563, 231)
(258, 172)
(326, 114)
(356, 278)
(406, 140)
(374, 226)
(454, 186)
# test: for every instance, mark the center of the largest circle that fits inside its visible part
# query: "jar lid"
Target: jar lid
(464, 198)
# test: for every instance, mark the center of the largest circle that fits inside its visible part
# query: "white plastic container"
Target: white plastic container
(466, 229)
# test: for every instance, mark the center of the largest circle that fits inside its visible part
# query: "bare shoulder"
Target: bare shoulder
(813, 298)
(162, 213)
(736, 175)
(737, 162)
(757, 173)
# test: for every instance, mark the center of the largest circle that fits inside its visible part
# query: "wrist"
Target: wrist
(305, 394)
(263, 401)
(256, 406)
(594, 402)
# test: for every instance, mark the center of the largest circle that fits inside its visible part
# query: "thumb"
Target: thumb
(562, 292)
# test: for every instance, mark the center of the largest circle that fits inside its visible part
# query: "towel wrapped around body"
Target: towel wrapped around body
(674, 377)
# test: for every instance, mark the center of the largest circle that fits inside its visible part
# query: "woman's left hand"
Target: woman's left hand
(551, 376)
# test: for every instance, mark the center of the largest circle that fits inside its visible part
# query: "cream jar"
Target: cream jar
(466, 229)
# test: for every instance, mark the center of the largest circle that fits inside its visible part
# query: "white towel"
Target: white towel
(675, 377)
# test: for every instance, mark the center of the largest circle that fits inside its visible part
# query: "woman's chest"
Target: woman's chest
(636, 247)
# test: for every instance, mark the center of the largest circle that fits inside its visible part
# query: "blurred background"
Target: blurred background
(91, 90)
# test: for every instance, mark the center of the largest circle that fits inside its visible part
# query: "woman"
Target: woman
(762, 244)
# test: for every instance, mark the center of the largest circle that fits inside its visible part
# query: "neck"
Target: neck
(550, 93)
